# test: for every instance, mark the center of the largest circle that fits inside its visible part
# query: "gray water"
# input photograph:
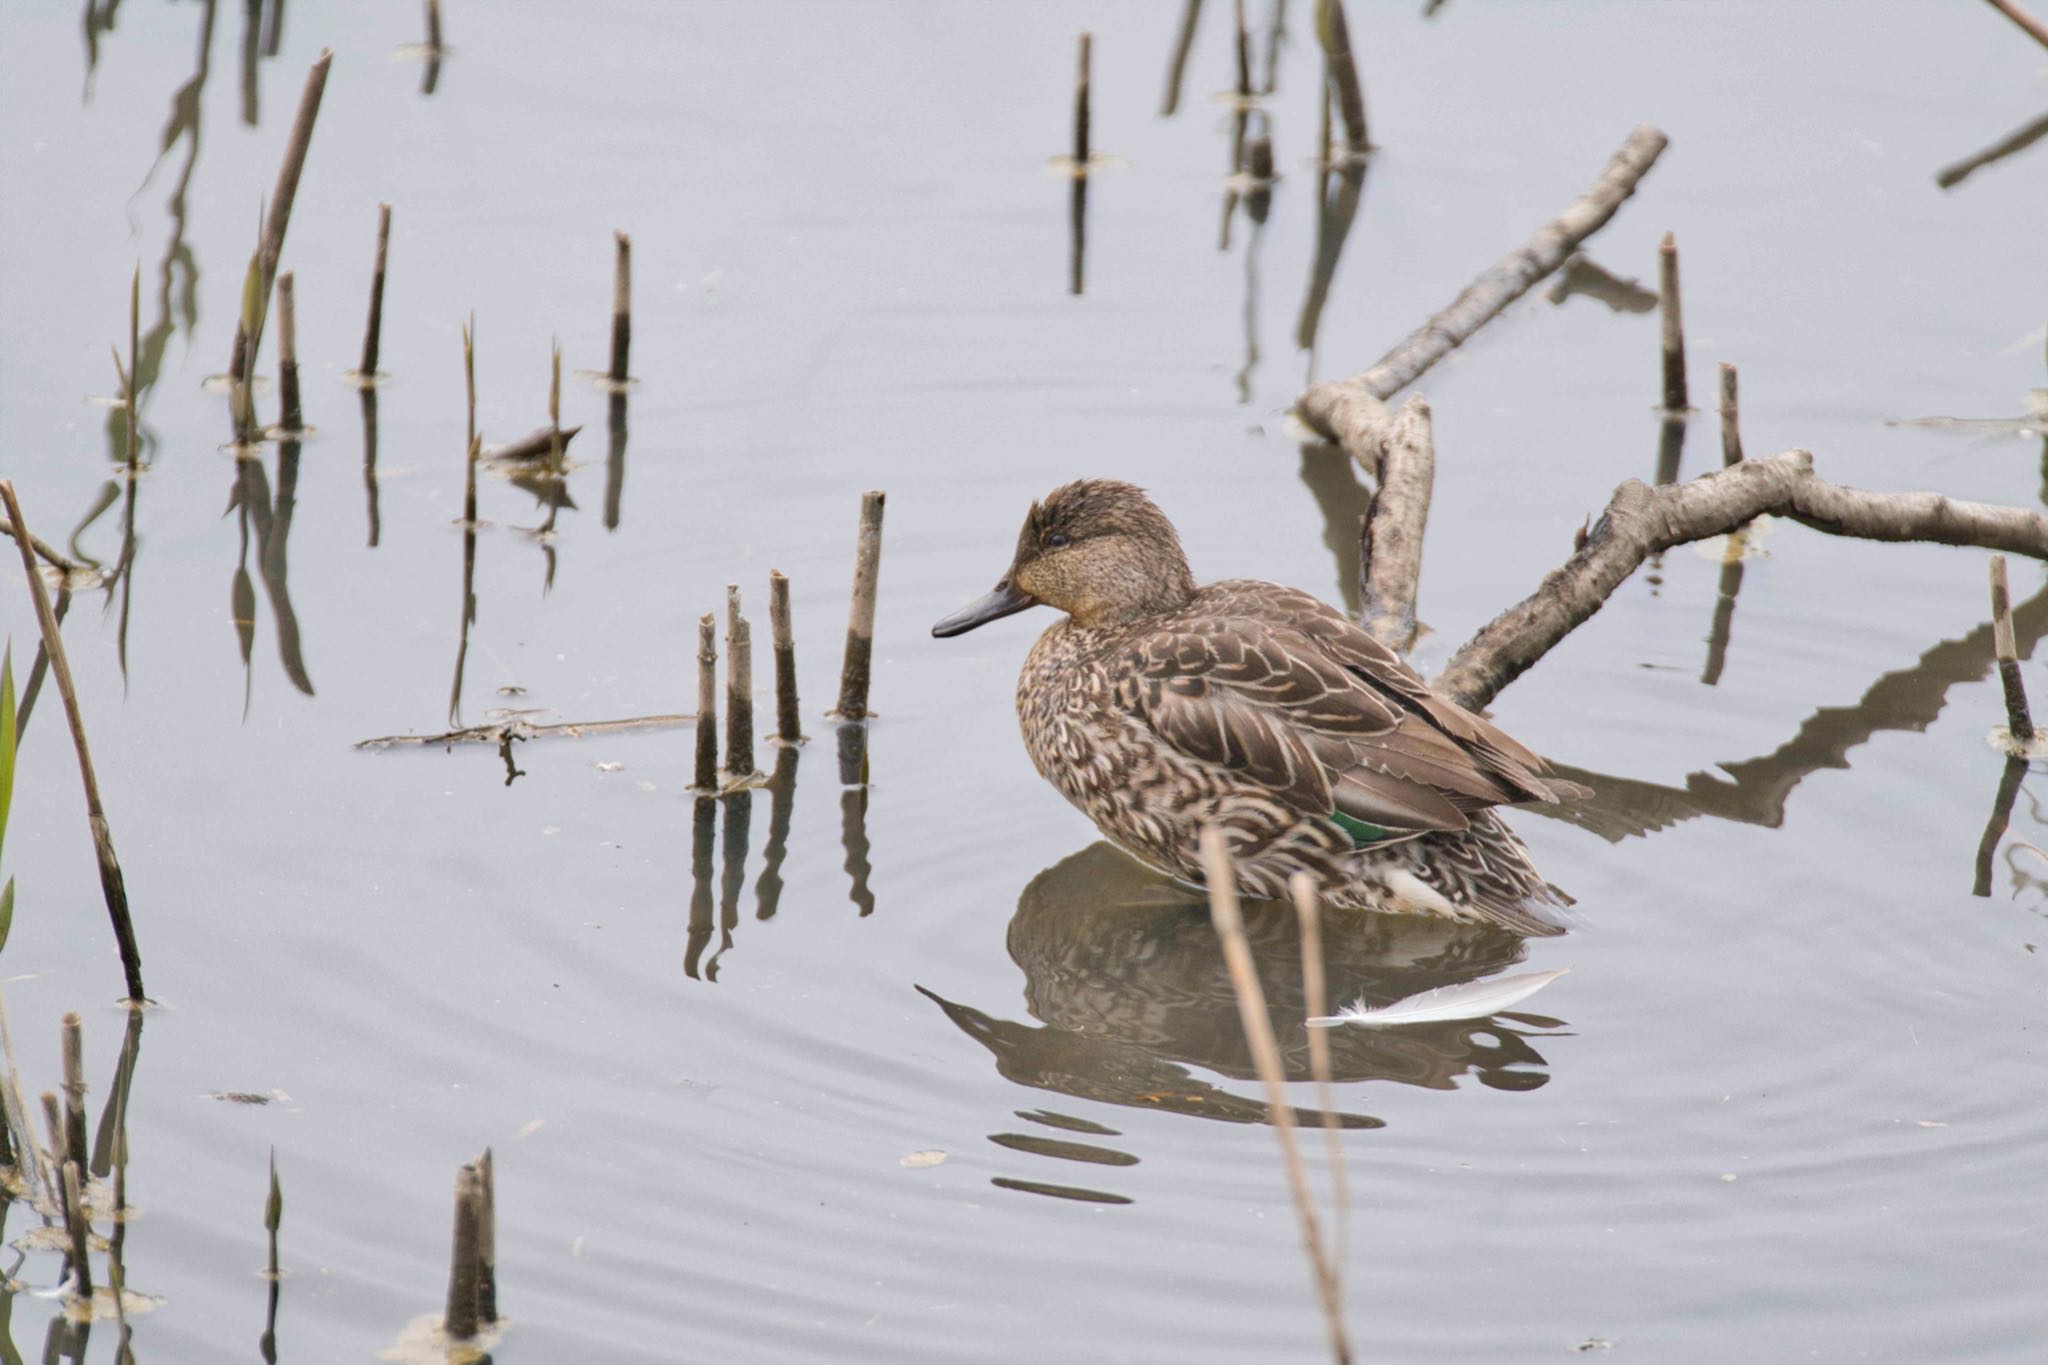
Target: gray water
(1786, 1104)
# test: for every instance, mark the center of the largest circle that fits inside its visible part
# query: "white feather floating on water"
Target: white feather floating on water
(1466, 1000)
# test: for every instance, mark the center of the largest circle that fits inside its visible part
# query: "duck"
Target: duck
(1159, 707)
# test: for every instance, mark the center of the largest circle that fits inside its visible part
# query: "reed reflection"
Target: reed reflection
(270, 518)
(1129, 997)
(369, 401)
(614, 460)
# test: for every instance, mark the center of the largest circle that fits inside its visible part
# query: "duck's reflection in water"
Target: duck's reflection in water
(1126, 985)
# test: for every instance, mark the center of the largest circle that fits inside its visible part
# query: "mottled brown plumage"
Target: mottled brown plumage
(1158, 706)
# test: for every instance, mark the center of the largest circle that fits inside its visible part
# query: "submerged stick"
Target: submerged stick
(860, 626)
(1334, 33)
(487, 1240)
(112, 886)
(271, 245)
(373, 328)
(80, 1229)
(622, 307)
(73, 1033)
(1081, 94)
(739, 689)
(788, 721)
(1392, 546)
(1731, 428)
(1640, 520)
(707, 704)
(459, 1320)
(1672, 325)
(1308, 911)
(2018, 719)
(1221, 878)
(1326, 407)
(288, 415)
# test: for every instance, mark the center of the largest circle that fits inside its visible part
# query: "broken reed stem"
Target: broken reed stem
(289, 416)
(2012, 10)
(1309, 911)
(1672, 321)
(1348, 410)
(1176, 69)
(1334, 33)
(622, 307)
(1243, 88)
(53, 1139)
(1081, 116)
(487, 1241)
(271, 245)
(555, 438)
(1392, 546)
(373, 328)
(739, 688)
(459, 1321)
(80, 1229)
(73, 1032)
(112, 885)
(788, 720)
(434, 26)
(1258, 1033)
(860, 626)
(707, 704)
(469, 382)
(1731, 418)
(2019, 721)
(129, 394)
(273, 1214)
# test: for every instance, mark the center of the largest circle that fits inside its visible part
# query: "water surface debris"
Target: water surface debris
(1465, 1000)
(520, 728)
(860, 627)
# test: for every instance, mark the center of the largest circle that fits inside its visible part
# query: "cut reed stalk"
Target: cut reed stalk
(788, 720)
(1183, 44)
(73, 1031)
(2018, 718)
(1731, 418)
(459, 1320)
(434, 27)
(129, 394)
(289, 417)
(1334, 32)
(487, 1240)
(373, 327)
(271, 246)
(112, 885)
(1673, 325)
(273, 1215)
(739, 690)
(1083, 78)
(707, 704)
(1221, 877)
(1308, 910)
(855, 672)
(80, 1230)
(622, 307)
(53, 1138)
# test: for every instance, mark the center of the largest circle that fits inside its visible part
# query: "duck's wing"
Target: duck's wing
(1333, 726)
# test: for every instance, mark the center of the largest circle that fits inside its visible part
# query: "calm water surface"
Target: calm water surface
(1788, 1101)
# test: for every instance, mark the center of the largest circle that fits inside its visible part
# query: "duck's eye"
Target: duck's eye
(1058, 539)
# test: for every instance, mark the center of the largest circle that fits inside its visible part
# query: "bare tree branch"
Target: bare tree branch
(1640, 521)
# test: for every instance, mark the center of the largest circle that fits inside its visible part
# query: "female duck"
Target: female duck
(1158, 707)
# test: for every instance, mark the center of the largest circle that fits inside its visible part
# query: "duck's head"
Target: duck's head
(1095, 549)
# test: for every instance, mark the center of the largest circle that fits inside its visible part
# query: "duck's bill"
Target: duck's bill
(1004, 601)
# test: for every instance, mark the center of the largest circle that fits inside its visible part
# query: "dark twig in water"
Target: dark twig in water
(1672, 325)
(788, 720)
(1308, 911)
(2019, 720)
(1640, 520)
(289, 417)
(1183, 43)
(1948, 177)
(1341, 410)
(543, 443)
(373, 326)
(1258, 1034)
(622, 307)
(707, 704)
(2016, 12)
(460, 1319)
(739, 690)
(519, 728)
(855, 673)
(271, 247)
(1391, 551)
(1334, 33)
(112, 885)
